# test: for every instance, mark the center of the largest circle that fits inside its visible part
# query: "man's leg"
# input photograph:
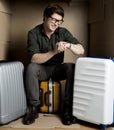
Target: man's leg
(34, 73)
(61, 72)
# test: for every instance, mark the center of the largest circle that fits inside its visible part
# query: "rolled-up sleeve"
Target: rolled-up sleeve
(32, 44)
(69, 37)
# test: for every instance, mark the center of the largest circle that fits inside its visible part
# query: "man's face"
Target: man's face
(53, 22)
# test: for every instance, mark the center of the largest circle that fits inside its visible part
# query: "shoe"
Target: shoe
(68, 119)
(73, 119)
(31, 115)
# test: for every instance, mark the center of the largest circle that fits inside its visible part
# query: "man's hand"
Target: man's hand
(62, 46)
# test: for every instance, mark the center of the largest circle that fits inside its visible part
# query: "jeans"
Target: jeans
(37, 72)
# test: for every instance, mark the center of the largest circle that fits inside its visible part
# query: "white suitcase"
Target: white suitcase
(93, 96)
(12, 94)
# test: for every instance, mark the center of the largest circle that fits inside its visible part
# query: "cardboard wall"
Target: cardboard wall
(5, 28)
(101, 32)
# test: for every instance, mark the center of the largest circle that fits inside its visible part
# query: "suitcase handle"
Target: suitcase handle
(46, 98)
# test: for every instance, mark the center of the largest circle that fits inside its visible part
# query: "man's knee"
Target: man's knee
(32, 68)
(70, 66)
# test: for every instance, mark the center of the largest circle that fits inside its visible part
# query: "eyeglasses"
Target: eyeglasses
(54, 20)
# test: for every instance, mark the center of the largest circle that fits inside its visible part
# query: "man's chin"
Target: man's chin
(52, 30)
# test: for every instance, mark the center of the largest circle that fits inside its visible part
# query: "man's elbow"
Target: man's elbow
(81, 49)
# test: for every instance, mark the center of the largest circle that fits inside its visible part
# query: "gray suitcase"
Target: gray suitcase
(12, 94)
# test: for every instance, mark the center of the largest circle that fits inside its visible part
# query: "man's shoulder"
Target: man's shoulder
(63, 29)
(36, 28)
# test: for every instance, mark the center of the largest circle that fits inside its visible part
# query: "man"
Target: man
(46, 45)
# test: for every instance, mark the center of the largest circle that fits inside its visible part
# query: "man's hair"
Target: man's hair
(51, 9)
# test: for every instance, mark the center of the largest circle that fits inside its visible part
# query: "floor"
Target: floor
(83, 126)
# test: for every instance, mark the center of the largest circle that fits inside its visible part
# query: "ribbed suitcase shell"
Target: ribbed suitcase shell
(12, 94)
(50, 96)
(94, 90)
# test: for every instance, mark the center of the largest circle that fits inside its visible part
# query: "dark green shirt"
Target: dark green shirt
(38, 42)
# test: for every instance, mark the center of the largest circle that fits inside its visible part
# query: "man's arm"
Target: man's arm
(76, 49)
(40, 58)
(43, 57)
